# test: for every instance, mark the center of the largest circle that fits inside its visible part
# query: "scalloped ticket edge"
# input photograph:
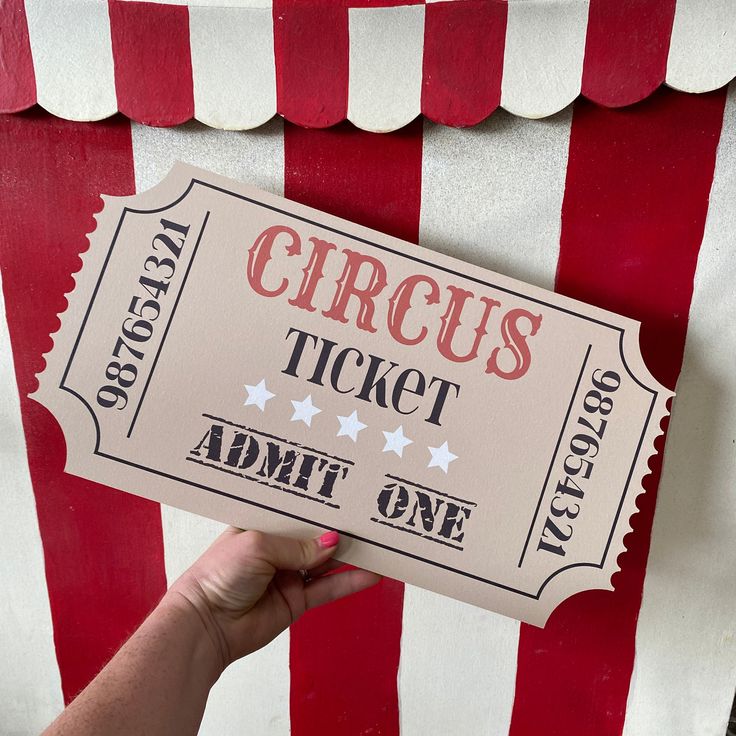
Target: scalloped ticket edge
(265, 364)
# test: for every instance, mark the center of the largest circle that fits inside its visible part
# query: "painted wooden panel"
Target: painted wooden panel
(233, 64)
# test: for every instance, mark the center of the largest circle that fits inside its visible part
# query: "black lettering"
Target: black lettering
(167, 241)
(371, 383)
(236, 451)
(324, 354)
(274, 461)
(306, 469)
(557, 533)
(211, 442)
(334, 471)
(400, 387)
(439, 402)
(338, 365)
(183, 230)
(398, 502)
(296, 354)
(455, 515)
(427, 514)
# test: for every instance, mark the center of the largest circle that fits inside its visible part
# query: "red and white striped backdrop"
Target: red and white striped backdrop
(630, 209)
(234, 64)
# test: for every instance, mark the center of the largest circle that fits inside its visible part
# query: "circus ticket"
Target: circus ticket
(268, 365)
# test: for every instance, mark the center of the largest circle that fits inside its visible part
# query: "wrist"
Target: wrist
(193, 620)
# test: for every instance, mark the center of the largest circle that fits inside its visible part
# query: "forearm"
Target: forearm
(156, 684)
(238, 596)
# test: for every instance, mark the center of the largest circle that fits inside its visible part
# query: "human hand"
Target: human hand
(247, 588)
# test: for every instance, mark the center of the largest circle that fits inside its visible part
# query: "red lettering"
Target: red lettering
(400, 303)
(514, 342)
(363, 279)
(260, 254)
(451, 321)
(346, 287)
(312, 274)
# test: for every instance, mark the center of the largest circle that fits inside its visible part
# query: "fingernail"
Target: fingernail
(329, 539)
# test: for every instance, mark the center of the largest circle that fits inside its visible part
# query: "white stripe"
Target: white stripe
(685, 667)
(30, 685)
(543, 58)
(233, 66)
(458, 667)
(254, 691)
(702, 45)
(256, 157)
(491, 195)
(210, 3)
(386, 47)
(72, 58)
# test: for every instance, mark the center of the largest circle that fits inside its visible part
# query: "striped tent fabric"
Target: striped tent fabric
(235, 64)
(628, 208)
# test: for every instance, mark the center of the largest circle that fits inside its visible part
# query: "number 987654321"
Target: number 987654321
(583, 448)
(138, 325)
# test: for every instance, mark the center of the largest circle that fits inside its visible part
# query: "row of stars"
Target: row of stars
(350, 426)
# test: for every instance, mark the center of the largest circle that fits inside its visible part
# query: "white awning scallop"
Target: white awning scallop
(234, 64)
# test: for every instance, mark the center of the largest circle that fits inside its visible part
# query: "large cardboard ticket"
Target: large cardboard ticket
(263, 363)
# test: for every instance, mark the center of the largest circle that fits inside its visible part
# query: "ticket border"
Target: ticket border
(194, 181)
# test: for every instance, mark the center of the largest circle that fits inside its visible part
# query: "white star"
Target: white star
(350, 426)
(258, 395)
(304, 411)
(441, 457)
(396, 441)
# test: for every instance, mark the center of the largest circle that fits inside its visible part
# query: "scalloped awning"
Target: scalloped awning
(236, 63)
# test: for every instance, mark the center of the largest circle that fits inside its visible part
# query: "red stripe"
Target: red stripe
(626, 49)
(153, 65)
(382, 3)
(345, 657)
(311, 49)
(17, 79)
(636, 198)
(103, 549)
(463, 60)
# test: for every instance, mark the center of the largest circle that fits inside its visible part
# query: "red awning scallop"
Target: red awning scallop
(236, 63)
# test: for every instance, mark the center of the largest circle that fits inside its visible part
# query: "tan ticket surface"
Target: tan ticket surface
(262, 363)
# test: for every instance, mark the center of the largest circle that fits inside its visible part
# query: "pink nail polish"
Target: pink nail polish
(329, 539)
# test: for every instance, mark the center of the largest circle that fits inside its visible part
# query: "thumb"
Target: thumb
(287, 553)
